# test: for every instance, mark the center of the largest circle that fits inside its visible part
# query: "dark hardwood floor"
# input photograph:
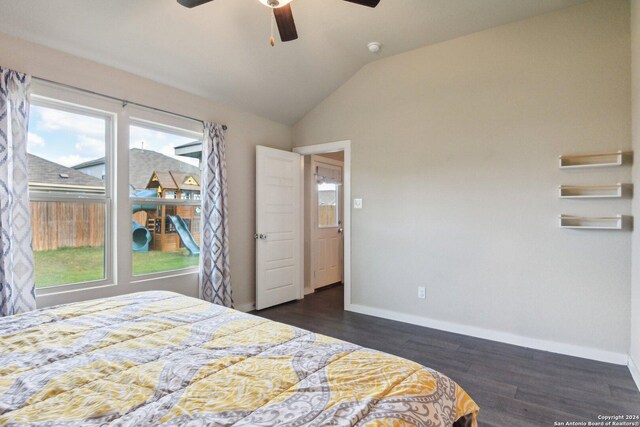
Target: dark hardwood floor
(514, 386)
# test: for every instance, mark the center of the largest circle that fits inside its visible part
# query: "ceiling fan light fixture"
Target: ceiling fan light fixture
(274, 4)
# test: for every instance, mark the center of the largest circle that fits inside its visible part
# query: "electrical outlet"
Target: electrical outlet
(422, 292)
(357, 203)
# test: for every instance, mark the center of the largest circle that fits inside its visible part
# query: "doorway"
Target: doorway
(327, 217)
(324, 210)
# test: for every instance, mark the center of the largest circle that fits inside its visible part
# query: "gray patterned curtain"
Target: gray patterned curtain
(215, 270)
(17, 283)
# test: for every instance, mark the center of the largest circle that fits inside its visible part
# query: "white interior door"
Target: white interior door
(278, 227)
(327, 236)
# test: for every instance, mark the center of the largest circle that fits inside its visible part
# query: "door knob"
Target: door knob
(263, 236)
(340, 230)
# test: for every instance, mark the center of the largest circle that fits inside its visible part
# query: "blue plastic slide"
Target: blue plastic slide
(140, 238)
(146, 194)
(185, 235)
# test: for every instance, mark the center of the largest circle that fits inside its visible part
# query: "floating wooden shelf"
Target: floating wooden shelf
(591, 160)
(617, 222)
(595, 191)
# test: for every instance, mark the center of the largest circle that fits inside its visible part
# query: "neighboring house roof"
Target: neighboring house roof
(190, 149)
(189, 144)
(44, 173)
(90, 163)
(174, 181)
(144, 163)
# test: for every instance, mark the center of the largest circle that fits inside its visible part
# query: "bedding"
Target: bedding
(159, 358)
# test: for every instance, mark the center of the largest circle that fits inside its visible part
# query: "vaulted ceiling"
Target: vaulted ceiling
(220, 50)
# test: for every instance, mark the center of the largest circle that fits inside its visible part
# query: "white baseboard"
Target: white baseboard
(635, 372)
(504, 337)
(245, 308)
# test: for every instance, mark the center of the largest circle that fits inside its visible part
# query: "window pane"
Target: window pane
(66, 151)
(328, 205)
(165, 238)
(68, 242)
(164, 165)
(67, 147)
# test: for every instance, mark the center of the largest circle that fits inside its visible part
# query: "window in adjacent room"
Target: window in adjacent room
(328, 196)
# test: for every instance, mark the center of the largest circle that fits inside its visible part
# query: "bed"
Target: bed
(159, 358)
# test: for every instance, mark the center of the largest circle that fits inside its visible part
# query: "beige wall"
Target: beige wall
(635, 92)
(455, 153)
(245, 132)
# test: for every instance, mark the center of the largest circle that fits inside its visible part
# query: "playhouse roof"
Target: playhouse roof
(173, 180)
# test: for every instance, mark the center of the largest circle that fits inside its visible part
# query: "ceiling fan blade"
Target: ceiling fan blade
(370, 3)
(286, 24)
(193, 3)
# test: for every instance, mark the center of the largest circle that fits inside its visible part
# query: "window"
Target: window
(70, 197)
(164, 181)
(328, 179)
(328, 197)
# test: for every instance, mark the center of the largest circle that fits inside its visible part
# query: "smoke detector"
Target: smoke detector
(374, 47)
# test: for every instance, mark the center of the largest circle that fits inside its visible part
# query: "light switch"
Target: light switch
(357, 203)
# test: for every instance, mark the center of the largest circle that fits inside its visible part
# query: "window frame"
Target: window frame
(315, 199)
(160, 123)
(337, 207)
(45, 96)
(118, 248)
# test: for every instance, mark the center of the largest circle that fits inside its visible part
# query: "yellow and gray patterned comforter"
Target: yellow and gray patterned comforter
(159, 358)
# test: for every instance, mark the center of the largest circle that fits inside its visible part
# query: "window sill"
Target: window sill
(164, 275)
(66, 289)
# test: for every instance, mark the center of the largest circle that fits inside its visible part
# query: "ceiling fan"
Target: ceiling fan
(282, 13)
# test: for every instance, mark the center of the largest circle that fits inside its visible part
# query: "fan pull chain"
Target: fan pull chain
(272, 40)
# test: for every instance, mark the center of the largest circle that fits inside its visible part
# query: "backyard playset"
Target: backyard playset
(167, 228)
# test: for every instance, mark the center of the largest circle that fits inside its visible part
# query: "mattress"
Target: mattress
(159, 358)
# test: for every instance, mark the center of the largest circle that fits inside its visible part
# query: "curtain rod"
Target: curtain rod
(123, 101)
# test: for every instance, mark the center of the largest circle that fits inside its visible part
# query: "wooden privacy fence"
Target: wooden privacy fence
(67, 225)
(327, 215)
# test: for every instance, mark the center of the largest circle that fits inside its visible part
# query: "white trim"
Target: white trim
(45, 96)
(173, 129)
(313, 208)
(245, 308)
(301, 230)
(333, 147)
(504, 337)
(635, 372)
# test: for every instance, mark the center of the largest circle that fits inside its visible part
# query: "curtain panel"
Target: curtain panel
(17, 280)
(215, 270)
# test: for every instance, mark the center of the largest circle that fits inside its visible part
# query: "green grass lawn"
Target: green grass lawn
(74, 265)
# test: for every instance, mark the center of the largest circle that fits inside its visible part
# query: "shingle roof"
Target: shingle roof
(144, 162)
(165, 180)
(181, 180)
(189, 144)
(95, 162)
(46, 172)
